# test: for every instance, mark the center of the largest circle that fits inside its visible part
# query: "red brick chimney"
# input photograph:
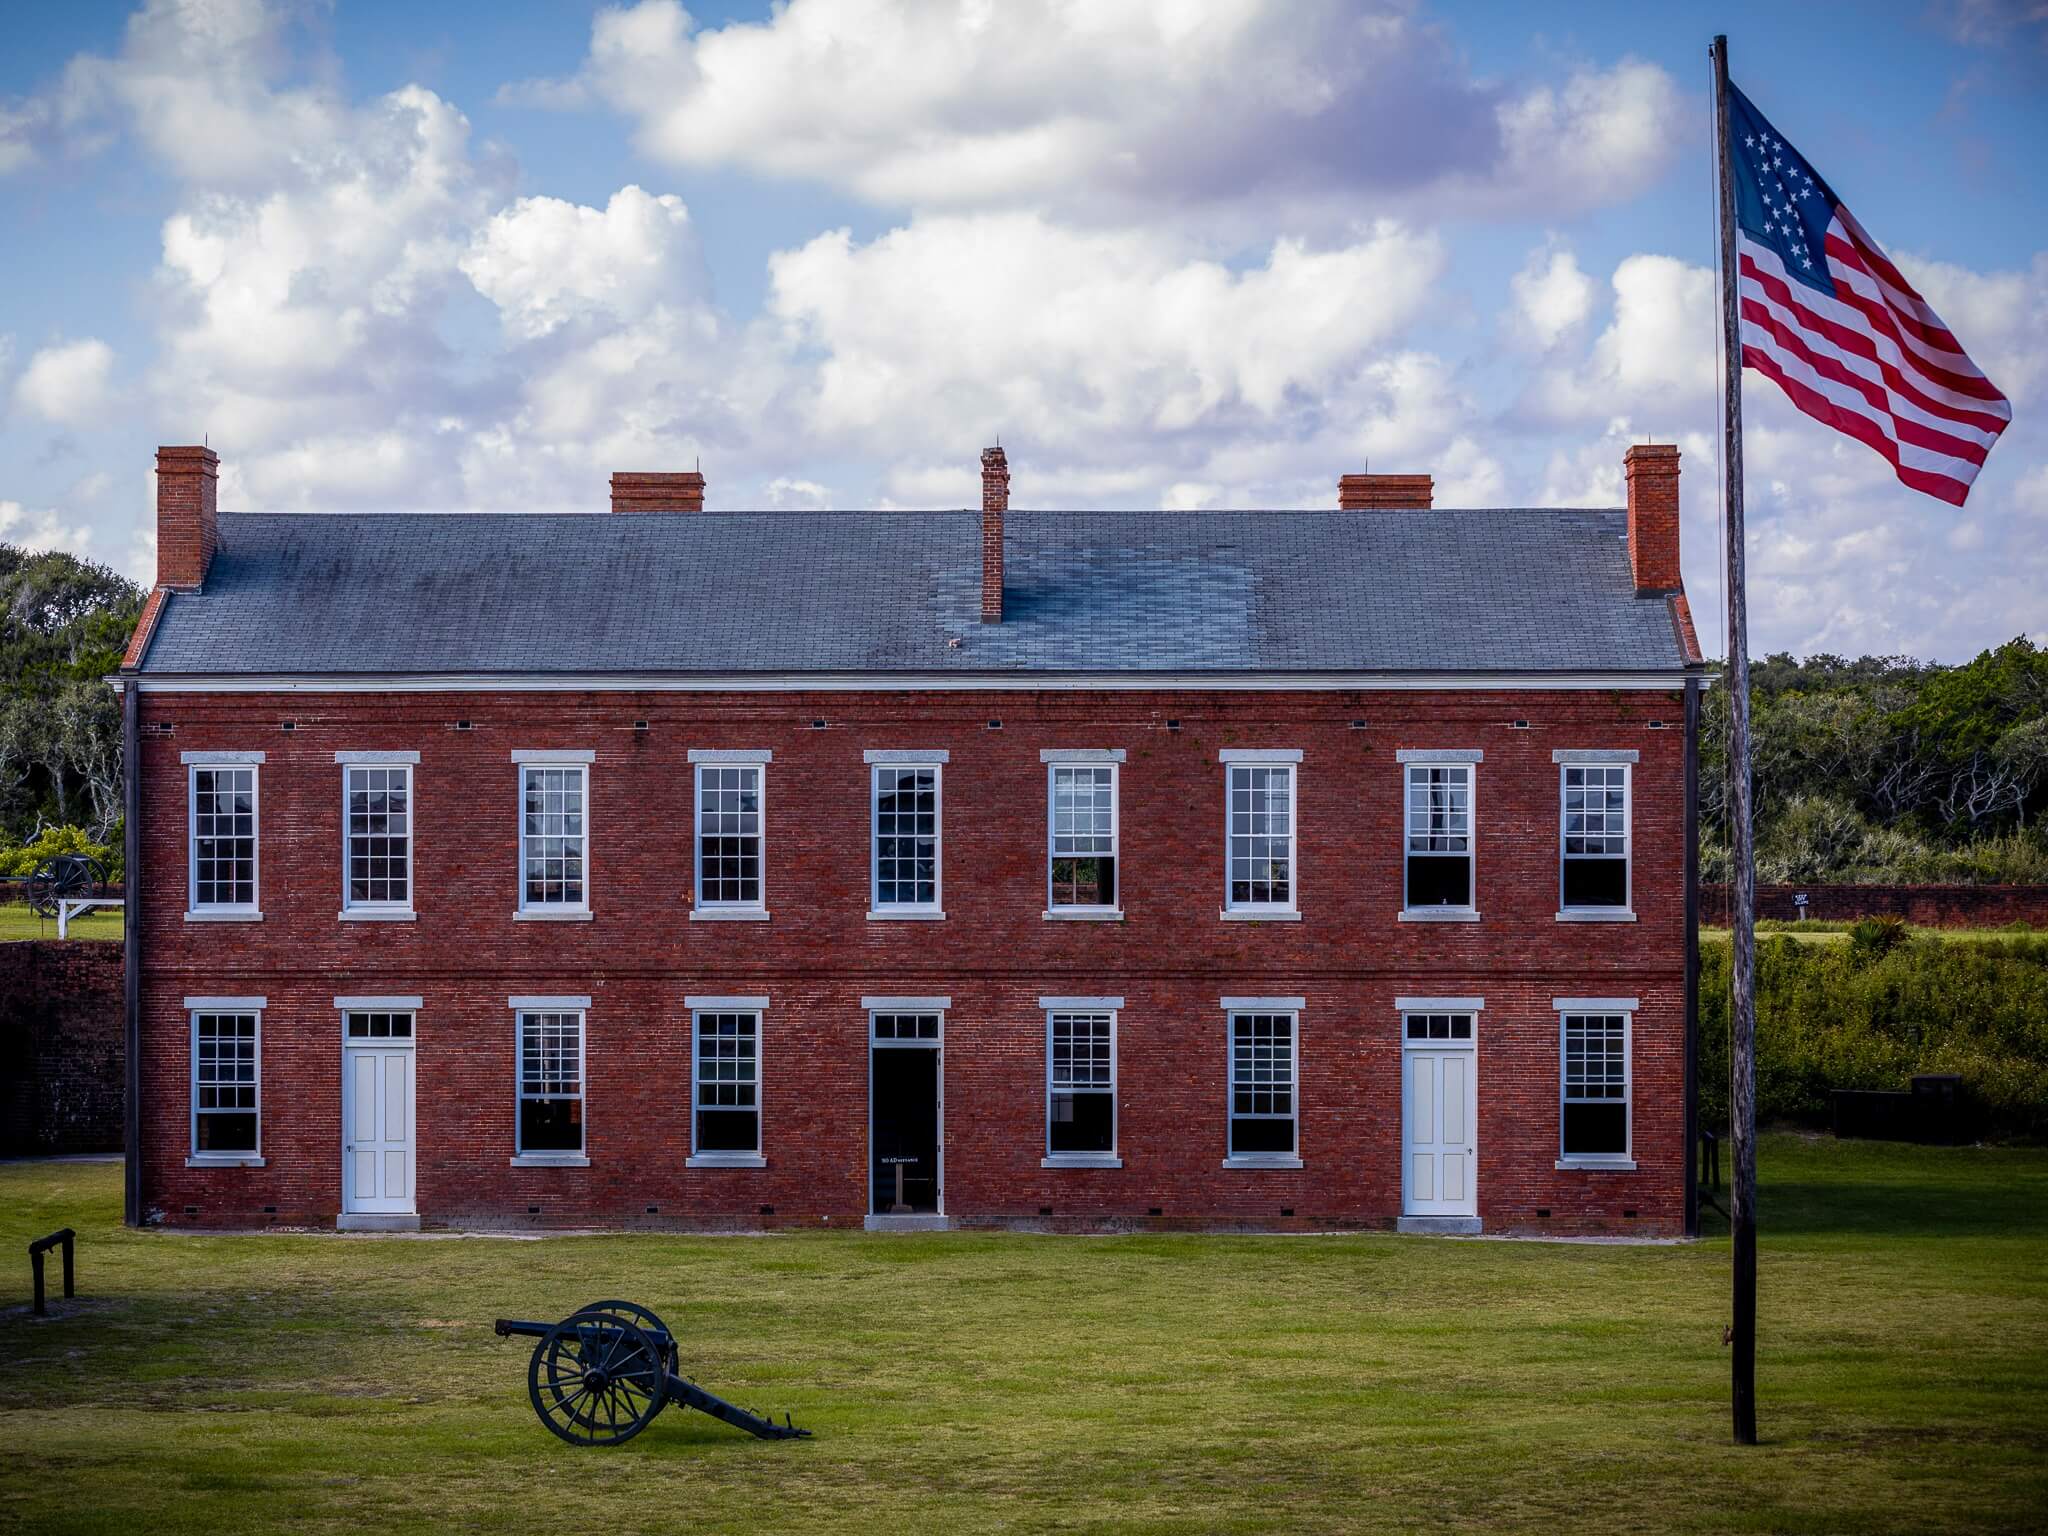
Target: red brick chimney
(658, 492)
(995, 501)
(1385, 493)
(1653, 517)
(187, 515)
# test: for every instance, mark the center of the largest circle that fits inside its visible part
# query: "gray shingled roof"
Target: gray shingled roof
(1095, 592)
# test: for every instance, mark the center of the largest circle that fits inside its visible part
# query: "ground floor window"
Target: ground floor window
(226, 1082)
(1594, 1117)
(728, 1078)
(1080, 1082)
(1263, 1101)
(550, 1081)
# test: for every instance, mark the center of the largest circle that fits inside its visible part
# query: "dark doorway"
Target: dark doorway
(906, 1126)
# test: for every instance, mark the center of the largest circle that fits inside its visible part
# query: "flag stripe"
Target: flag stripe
(1859, 287)
(1945, 487)
(1880, 265)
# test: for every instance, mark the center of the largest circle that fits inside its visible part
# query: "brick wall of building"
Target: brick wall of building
(1929, 906)
(1171, 959)
(63, 1047)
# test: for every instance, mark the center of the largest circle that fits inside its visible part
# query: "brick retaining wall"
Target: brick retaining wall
(1930, 906)
(62, 1047)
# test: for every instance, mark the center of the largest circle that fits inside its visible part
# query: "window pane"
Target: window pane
(1595, 882)
(551, 1125)
(1596, 1130)
(728, 1130)
(1082, 1053)
(729, 834)
(553, 836)
(1261, 1135)
(1261, 835)
(1084, 882)
(1439, 880)
(1439, 808)
(728, 1060)
(379, 835)
(224, 837)
(906, 836)
(226, 1131)
(1083, 1122)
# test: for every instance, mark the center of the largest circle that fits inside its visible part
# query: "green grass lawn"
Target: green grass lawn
(18, 922)
(958, 1382)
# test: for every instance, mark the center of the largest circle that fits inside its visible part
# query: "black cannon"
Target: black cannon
(65, 877)
(600, 1375)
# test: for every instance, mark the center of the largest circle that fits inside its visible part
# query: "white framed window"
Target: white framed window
(1595, 1082)
(1264, 1081)
(907, 806)
(725, 1099)
(1438, 836)
(731, 818)
(1595, 876)
(223, 843)
(1260, 833)
(1080, 1082)
(554, 833)
(1081, 833)
(376, 833)
(227, 1079)
(551, 1060)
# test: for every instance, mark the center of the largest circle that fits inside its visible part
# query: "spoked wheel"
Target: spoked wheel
(67, 877)
(641, 1318)
(597, 1379)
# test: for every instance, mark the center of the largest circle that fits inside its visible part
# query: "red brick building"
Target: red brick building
(671, 867)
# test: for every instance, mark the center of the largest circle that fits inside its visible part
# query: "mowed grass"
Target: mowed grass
(18, 922)
(970, 1382)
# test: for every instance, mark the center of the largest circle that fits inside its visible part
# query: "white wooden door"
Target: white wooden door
(1440, 1104)
(377, 1129)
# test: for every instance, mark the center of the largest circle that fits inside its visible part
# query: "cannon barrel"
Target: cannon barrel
(506, 1327)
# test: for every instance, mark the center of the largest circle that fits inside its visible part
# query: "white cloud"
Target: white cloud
(545, 262)
(41, 529)
(68, 383)
(1552, 298)
(1100, 110)
(1653, 363)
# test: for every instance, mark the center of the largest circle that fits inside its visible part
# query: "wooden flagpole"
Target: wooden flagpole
(1742, 921)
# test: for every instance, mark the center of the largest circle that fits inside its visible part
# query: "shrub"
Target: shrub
(1875, 937)
(26, 858)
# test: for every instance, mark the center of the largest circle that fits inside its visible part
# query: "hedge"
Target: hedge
(1843, 1015)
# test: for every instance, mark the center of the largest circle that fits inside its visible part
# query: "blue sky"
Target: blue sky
(1186, 255)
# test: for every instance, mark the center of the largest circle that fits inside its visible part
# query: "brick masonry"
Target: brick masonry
(63, 1047)
(1172, 958)
(1929, 906)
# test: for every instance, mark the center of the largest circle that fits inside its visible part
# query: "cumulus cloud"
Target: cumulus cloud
(546, 263)
(68, 383)
(1111, 110)
(1552, 298)
(40, 529)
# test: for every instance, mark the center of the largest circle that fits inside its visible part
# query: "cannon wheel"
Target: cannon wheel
(596, 1379)
(641, 1318)
(68, 876)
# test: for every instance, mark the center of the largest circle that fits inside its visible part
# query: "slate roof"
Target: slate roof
(1510, 590)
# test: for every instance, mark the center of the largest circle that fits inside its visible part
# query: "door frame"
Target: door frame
(1476, 1007)
(343, 1007)
(938, 1005)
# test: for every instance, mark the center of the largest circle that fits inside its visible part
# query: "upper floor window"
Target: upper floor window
(550, 1076)
(1595, 1085)
(1264, 1103)
(1594, 839)
(1080, 1079)
(227, 1087)
(725, 1124)
(906, 833)
(1082, 842)
(1438, 851)
(1261, 826)
(223, 860)
(554, 833)
(377, 831)
(729, 832)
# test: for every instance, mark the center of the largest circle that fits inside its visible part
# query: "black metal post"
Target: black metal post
(35, 1264)
(131, 927)
(1692, 957)
(1742, 920)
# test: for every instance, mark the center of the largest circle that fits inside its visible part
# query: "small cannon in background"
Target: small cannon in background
(600, 1375)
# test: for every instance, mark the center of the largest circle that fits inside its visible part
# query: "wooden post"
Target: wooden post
(1742, 920)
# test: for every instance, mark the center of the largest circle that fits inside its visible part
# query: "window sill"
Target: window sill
(377, 915)
(908, 915)
(1596, 915)
(1084, 914)
(1609, 1164)
(1242, 915)
(548, 1160)
(225, 1160)
(1080, 1160)
(728, 914)
(546, 915)
(233, 915)
(1439, 915)
(1262, 1160)
(726, 1160)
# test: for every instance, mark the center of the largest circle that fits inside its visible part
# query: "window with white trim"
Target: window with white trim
(906, 837)
(1594, 1120)
(227, 1089)
(1261, 837)
(1595, 836)
(377, 805)
(1263, 1101)
(729, 833)
(1439, 843)
(1080, 1115)
(1424, 1027)
(553, 836)
(223, 837)
(550, 1080)
(1083, 843)
(728, 1081)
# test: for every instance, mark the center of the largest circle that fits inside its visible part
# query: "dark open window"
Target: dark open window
(550, 1082)
(225, 1090)
(1596, 1085)
(1084, 835)
(728, 1077)
(1262, 1086)
(1081, 1082)
(1595, 835)
(1439, 851)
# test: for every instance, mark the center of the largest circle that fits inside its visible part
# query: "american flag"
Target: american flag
(1826, 314)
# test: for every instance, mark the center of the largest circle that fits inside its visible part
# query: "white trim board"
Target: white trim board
(906, 1004)
(379, 1004)
(375, 759)
(1439, 1005)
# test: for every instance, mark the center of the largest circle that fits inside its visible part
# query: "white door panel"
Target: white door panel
(1438, 1110)
(377, 1122)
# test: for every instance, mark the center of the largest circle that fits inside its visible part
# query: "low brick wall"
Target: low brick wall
(1929, 906)
(63, 1046)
